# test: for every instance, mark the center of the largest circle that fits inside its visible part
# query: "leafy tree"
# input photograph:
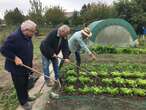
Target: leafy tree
(55, 15)
(98, 11)
(132, 11)
(36, 12)
(13, 17)
(76, 18)
(142, 4)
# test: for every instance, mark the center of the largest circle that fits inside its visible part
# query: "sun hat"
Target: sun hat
(86, 31)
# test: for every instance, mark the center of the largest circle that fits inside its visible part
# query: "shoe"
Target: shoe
(56, 85)
(31, 98)
(49, 83)
(27, 106)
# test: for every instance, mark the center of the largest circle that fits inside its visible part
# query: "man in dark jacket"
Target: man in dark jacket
(50, 47)
(18, 50)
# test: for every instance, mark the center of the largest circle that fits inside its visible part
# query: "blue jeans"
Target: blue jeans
(46, 63)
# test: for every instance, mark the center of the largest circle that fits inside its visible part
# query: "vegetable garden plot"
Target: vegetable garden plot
(107, 87)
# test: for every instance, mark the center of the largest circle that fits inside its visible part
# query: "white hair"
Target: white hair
(65, 28)
(28, 24)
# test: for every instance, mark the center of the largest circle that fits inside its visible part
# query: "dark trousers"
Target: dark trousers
(21, 86)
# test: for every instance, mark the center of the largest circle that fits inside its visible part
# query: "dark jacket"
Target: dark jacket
(50, 45)
(17, 45)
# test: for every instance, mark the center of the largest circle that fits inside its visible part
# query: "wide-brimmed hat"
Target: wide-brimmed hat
(86, 31)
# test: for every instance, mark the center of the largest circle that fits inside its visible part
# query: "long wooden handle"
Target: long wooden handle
(32, 69)
(83, 69)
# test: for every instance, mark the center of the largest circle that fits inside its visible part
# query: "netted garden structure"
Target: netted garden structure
(115, 32)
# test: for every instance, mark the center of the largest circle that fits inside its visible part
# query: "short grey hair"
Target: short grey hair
(65, 28)
(28, 24)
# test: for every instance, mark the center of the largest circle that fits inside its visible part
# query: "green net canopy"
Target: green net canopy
(115, 32)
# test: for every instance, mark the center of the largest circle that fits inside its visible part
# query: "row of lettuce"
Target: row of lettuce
(97, 90)
(115, 82)
(113, 50)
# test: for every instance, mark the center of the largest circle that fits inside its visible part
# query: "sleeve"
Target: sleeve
(65, 50)
(8, 47)
(84, 46)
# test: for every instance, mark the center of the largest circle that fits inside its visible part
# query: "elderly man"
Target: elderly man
(50, 47)
(78, 41)
(18, 50)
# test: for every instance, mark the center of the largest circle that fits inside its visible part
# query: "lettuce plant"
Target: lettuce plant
(70, 89)
(140, 92)
(107, 81)
(85, 90)
(71, 79)
(126, 91)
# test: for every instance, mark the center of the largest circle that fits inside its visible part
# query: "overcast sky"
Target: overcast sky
(24, 5)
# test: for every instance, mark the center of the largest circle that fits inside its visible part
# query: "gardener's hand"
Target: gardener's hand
(18, 61)
(93, 56)
(66, 61)
(54, 55)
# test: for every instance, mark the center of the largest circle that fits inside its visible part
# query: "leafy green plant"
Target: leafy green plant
(140, 92)
(84, 79)
(116, 74)
(107, 81)
(141, 82)
(127, 74)
(93, 73)
(140, 74)
(71, 72)
(103, 74)
(119, 80)
(71, 79)
(85, 90)
(70, 89)
(131, 83)
(126, 91)
(96, 90)
(83, 73)
(111, 90)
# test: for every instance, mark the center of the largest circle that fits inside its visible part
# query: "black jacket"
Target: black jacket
(17, 45)
(50, 45)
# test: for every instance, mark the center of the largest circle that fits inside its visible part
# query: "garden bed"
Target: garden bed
(114, 86)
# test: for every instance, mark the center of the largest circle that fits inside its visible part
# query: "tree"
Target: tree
(131, 11)
(55, 15)
(98, 11)
(76, 18)
(141, 3)
(36, 12)
(14, 17)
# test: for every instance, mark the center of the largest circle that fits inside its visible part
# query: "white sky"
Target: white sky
(24, 5)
